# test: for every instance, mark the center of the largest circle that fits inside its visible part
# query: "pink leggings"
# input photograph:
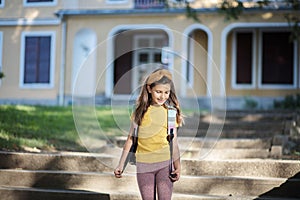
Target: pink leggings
(154, 178)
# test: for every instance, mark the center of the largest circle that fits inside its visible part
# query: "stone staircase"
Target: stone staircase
(234, 166)
(267, 134)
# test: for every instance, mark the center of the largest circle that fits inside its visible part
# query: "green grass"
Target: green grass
(54, 128)
(50, 128)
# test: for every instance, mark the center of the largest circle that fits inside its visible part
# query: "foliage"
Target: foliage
(191, 13)
(1, 75)
(289, 102)
(294, 25)
(250, 103)
(232, 9)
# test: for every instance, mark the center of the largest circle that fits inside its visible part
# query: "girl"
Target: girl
(153, 152)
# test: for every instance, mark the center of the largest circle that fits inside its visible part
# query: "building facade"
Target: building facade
(53, 50)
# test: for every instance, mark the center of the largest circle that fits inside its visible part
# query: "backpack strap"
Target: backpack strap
(171, 126)
(131, 154)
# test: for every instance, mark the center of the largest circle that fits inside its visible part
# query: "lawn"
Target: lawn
(52, 128)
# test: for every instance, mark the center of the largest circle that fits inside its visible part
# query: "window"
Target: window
(2, 2)
(274, 58)
(146, 56)
(39, 2)
(146, 4)
(243, 69)
(278, 60)
(37, 60)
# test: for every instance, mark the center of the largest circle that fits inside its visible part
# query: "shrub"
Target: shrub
(289, 102)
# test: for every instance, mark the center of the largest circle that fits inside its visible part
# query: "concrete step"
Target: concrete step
(214, 154)
(106, 183)
(228, 186)
(287, 190)
(223, 148)
(65, 161)
(224, 143)
(175, 196)
(252, 124)
(202, 175)
(241, 167)
(241, 117)
(275, 198)
(91, 162)
(224, 154)
(234, 133)
(251, 115)
(25, 193)
(256, 125)
(217, 143)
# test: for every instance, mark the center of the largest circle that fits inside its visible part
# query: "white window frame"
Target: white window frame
(38, 4)
(275, 86)
(234, 83)
(2, 4)
(52, 60)
(116, 1)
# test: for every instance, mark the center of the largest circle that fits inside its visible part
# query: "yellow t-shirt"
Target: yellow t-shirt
(153, 145)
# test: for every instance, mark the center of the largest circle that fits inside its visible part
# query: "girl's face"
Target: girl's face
(160, 93)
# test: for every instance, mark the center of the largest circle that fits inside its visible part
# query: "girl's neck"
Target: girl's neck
(155, 105)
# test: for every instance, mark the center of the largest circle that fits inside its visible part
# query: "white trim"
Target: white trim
(191, 57)
(235, 85)
(62, 71)
(52, 60)
(2, 4)
(30, 22)
(232, 26)
(184, 57)
(109, 72)
(1, 53)
(298, 62)
(187, 62)
(39, 4)
(113, 2)
(275, 86)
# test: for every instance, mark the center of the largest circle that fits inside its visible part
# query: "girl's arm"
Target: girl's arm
(176, 157)
(119, 169)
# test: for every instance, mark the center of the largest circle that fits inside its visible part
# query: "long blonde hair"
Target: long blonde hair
(144, 99)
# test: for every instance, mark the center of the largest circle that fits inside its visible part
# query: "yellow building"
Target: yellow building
(52, 50)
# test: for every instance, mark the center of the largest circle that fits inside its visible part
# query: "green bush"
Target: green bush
(250, 103)
(289, 102)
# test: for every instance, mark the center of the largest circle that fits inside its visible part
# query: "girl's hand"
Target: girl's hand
(175, 175)
(118, 172)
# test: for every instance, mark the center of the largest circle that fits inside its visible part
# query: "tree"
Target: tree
(232, 9)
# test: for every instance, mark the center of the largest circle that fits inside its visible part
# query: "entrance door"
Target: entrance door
(146, 56)
(84, 64)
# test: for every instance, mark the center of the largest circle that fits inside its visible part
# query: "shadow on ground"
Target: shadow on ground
(289, 189)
